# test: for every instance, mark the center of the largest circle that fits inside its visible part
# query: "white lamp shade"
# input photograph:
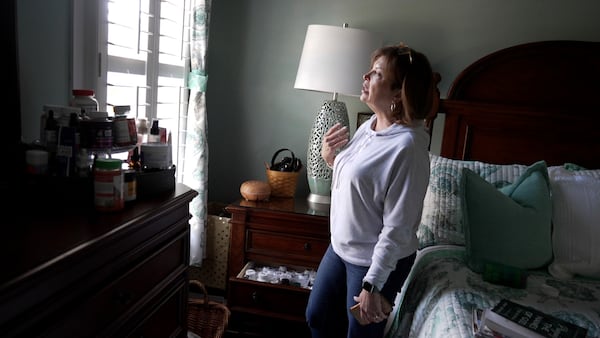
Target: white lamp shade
(335, 58)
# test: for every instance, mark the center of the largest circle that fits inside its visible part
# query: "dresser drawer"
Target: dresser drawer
(246, 325)
(303, 249)
(165, 320)
(127, 291)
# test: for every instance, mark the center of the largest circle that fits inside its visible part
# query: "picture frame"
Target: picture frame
(362, 117)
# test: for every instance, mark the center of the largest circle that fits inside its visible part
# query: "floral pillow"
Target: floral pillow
(441, 222)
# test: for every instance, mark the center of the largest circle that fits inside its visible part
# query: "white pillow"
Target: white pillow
(576, 223)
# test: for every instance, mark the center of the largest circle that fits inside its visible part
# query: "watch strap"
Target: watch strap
(369, 287)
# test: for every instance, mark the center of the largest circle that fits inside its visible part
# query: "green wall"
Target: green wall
(44, 46)
(255, 46)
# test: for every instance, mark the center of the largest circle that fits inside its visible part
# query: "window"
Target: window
(141, 57)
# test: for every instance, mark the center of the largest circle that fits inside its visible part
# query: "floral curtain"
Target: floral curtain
(195, 164)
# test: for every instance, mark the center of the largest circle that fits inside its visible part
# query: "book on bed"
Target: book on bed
(515, 320)
(480, 330)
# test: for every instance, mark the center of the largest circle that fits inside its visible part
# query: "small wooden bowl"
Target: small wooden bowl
(255, 190)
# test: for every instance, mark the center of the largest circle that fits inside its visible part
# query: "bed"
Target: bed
(516, 185)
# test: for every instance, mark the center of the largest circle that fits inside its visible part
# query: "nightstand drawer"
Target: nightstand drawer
(275, 301)
(277, 291)
(283, 241)
(308, 250)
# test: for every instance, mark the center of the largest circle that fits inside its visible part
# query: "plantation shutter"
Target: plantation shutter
(143, 62)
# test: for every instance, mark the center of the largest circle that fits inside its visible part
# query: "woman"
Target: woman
(379, 181)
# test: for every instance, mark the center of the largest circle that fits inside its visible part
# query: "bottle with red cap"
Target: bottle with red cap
(85, 100)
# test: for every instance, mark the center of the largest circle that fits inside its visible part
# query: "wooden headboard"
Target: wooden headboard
(530, 102)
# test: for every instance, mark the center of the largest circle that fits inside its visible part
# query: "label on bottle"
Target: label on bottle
(97, 134)
(108, 185)
(123, 131)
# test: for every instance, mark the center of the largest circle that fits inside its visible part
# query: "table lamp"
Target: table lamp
(334, 59)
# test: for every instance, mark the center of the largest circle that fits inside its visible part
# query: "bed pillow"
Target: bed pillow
(441, 222)
(576, 221)
(512, 225)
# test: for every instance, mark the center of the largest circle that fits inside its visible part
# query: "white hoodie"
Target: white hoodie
(377, 191)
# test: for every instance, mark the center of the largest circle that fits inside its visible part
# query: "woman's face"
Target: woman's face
(377, 90)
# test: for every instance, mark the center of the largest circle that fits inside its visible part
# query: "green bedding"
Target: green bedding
(441, 292)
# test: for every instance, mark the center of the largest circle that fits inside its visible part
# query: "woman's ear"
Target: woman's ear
(398, 94)
(396, 99)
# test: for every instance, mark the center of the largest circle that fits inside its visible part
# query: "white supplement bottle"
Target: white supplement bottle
(85, 100)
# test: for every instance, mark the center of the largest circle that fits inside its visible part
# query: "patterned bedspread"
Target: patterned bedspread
(441, 292)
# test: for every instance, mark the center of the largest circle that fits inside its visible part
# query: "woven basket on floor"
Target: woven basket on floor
(207, 318)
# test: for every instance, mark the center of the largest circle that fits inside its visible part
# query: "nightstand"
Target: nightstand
(284, 232)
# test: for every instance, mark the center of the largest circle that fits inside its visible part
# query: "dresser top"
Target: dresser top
(34, 239)
(288, 205)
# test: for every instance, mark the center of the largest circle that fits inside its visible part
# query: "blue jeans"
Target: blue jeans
(336, 283)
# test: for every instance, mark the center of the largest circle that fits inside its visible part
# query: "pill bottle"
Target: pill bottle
(97, 133)
(85, 100)
(142, 131)
(129, 185)
(84, 163)
(250, 274)
(124, 128)
(108, 184)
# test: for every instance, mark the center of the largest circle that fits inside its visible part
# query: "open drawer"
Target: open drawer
(276, 291)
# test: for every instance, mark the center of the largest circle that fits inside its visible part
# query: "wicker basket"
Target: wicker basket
(283, 182)
(206, 318)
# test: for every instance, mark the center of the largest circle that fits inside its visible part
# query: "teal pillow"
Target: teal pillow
(511, 225)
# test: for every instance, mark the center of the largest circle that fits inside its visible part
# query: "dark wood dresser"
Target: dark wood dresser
(70, 271)
(283, 232)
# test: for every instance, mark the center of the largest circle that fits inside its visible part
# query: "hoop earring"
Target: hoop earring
(393, 106)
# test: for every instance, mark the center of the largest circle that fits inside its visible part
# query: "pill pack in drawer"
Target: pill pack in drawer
(283, 275)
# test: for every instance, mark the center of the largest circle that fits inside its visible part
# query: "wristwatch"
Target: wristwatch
(370, 288)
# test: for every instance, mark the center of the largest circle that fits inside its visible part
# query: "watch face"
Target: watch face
(367, 286)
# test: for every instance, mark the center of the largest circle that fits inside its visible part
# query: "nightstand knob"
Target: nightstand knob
(255, 297)
(307, 246)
